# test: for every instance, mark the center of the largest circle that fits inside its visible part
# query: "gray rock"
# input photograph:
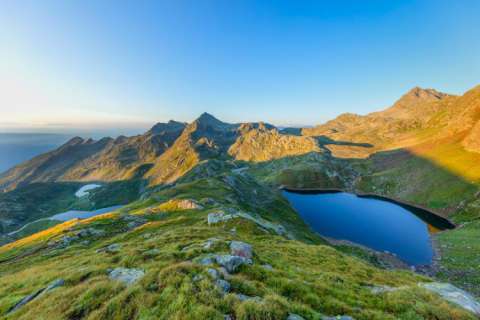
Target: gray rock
(231, 263)
(55, 284)
(224, 273)
(267, 267)
(127, 276)
(217, 217)
(207, 260)
(455, 295)
(243, 297)
(241, 249)
(209, 243)
(90, 232)
(197, 277)
(134, 221)
(151, 252)
(67, 240)
(293, 316)
(113, 248)
(213, 273)
(223, 285)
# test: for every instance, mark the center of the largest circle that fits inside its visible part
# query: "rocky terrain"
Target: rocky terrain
(206, 234)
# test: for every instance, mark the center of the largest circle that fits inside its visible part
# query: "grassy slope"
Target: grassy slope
(308, 278)
(439, 175)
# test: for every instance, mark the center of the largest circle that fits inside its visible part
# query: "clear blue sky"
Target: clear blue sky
(73, 63)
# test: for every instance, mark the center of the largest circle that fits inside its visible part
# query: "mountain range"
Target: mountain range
(189, 186)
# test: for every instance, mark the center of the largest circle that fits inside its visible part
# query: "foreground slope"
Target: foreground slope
(171, 254)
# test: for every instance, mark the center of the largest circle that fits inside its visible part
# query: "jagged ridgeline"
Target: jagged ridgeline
(205, 233)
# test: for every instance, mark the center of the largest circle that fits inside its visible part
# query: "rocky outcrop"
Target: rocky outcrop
(55, 284)
(262, 143)
(217, 217)
(455, 295)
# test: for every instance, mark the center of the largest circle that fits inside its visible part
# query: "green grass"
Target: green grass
(460, 251)
(308, 277)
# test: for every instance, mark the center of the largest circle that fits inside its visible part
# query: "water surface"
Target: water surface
(73, 214)
(376, 223)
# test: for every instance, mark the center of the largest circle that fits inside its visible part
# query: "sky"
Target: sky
(90, 65)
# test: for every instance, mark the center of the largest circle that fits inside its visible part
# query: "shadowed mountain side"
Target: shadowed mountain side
(88, 160)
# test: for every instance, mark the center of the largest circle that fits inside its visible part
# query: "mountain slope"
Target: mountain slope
(88, 160)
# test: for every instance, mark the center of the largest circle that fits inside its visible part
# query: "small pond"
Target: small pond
(73, 214)
(371, 221)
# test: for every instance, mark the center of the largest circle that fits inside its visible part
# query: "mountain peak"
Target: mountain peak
(171, 125)
(208, 120)
(425, 94)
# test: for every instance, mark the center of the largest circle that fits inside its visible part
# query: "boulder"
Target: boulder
(217, 217)
(455, 295)
(213, 273)
(127, 276)
(206, 260)
(223, 285)
(231, 263)
(241, 249)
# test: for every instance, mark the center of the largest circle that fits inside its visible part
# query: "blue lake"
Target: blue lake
(376, 223)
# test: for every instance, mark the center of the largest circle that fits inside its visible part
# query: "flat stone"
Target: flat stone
(241, 249)
(125, 275)
(455, 295)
